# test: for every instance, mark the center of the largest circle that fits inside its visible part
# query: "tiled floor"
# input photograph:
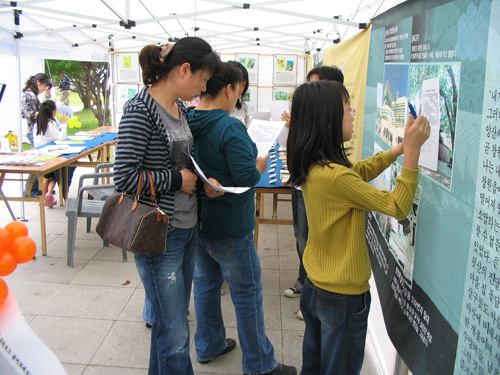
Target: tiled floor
(90, 315)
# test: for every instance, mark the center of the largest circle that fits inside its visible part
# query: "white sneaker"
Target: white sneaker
(299, 315)
(292, 292)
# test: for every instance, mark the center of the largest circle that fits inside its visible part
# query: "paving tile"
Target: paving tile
(47, 269)
(287, 241)
(289, 308)
(88, 301)
(292, 348)
(268, 240)
(84, 248)
(132, 312)
(271, 281)
(108, 274)
(73, 340)
(289, 259)
(101, 370)
(73, 369)
(33, 296)
(126, 345)
(269, 259)
(113, 253)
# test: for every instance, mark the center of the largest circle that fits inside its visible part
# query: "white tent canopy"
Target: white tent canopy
(279, 26)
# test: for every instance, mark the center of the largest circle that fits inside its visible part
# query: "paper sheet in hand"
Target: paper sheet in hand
(264, 133)
(277, 107)
(234, 190)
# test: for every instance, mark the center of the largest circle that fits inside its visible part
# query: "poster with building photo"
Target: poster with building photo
(123, 94)
(285, 70)
(251, 62)
(283, 93)
(251, 99)
(439, 286)
(127, 67)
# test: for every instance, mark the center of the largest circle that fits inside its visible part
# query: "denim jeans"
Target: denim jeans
(237, 262)
(335, 334)
(167, 280)
(300, 230)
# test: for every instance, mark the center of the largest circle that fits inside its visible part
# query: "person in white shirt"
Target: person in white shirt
(47, 130)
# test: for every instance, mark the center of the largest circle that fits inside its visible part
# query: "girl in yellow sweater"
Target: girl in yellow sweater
(336, 300)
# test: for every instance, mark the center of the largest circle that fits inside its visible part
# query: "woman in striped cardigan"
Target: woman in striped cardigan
(154, 135)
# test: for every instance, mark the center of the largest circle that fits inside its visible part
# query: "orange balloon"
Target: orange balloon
(6, 239)
(16, 229)
(2, 249)
(4, 291)
(7, 264)
(23, 249)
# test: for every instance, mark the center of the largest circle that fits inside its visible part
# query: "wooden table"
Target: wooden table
(52, 165)
(259, 208)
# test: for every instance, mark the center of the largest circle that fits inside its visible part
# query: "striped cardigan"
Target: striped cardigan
(143, 144)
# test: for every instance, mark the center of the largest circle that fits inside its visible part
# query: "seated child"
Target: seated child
(48, 129)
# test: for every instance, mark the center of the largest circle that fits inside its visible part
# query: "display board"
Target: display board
(127, 67)
(437, 272)
(285, 70)
(251, 62)
(283, 93)
(251, 99)
(123, 94)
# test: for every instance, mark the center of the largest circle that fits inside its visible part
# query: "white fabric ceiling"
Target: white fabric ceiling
(283, 26)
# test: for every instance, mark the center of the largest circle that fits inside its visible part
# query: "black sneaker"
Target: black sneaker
(231, 344)
(292, 292)
(282, 370)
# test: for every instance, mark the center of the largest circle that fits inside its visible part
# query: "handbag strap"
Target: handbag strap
(151, 185)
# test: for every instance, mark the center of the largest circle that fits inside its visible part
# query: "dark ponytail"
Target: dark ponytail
(244, 72)
(192, 50)
(45, 114)
(31, 82)
(229, 75)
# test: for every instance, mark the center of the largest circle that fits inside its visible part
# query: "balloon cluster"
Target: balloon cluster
(15, 247)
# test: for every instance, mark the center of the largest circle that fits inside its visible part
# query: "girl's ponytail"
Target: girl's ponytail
(45, 114)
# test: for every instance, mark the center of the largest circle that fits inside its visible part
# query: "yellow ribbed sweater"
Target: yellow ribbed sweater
(336, 257)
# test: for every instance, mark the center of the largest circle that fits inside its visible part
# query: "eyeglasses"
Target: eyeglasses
(351, 111)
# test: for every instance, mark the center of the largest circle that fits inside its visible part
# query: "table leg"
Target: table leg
(258, 213)
(41, 200)
(275, 206)
(61, 189)
(66, 187)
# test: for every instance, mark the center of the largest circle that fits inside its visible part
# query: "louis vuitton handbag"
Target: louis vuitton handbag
(132, 224)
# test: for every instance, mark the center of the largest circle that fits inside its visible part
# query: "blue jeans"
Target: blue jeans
(236, 261)
(335, 334)
(167, 279)
(300, 230)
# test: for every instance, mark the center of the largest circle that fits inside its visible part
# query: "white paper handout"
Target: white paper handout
(277, 107)
(429, 152)
(264, 134)
(234, 190)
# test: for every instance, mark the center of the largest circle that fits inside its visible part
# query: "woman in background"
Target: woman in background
(240, 110)
(30, 105)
